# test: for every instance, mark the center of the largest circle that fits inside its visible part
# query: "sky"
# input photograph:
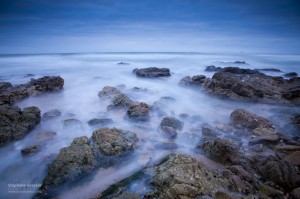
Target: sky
(70, 26)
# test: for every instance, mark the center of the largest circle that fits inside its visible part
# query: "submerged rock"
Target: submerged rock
(51, 114)
(253, 86)
(139, 112)
(33, 87)
(243, 118)
(31, 150)
(46, 135)
(15, 123)
(171, 126)
(152, 72)
(114, 141)
(100, 122)
(269, 69)
(72, 122)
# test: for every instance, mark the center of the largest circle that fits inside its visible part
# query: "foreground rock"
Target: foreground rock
(243, 118)
(234, 70)
(171, 126)
(139, 112)
(16, 123)
(247, 86)
(152, 72)
(182, 176)
(33, 87)
(114, 141)
(83, 156)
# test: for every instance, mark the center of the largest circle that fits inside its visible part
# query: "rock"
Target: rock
(197, 80)
(139, 112)
(28, 151)
(295, 194)
(108, 92)
(221, 150)
(293, 158)
(120, 101)
(265, 139)
(256, 87)
(243, 118)
(15, 123)
(102, 122)
(152, 72)
(182, 176)
(166, 145)
(123, 63)
(72, 122)
(270, 191)
(269, 69)
(71, 164)
(29, 75)
(278, 171)
(33, 87)
(240, 62)
(114, 141)
(287, 148)
(170, 126)
(4, 86)
(51, 114)
(291, 74)
(46, 135)
(212, 68)
(209, 131)
(264, 131)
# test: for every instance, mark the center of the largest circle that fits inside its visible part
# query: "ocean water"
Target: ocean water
(86, 74)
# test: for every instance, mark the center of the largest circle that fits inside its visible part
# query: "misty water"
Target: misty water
(86, 74)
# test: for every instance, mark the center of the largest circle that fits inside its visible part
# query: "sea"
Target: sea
(85, 74)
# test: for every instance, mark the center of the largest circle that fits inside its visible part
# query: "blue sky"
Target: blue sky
(50, 26)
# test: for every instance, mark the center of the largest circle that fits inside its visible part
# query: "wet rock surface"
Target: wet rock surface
(152, 72)
(139, 112)
(170, 126)
(221, 150)
(197, 80)
(33, 87)
(114, 141)
(243, 118)
(16, 123)
(253, 86)
(84, 155)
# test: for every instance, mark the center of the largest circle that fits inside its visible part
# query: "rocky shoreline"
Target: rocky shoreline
(255, 159)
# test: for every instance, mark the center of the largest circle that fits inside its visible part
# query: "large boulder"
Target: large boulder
(152, 72)
(114, 141)
(221, 150)
(71, 164)
(254, 86)
(139, 112)
(170, 126)
(182, 176)
(33, 87)
(243, 118)
(16, 123)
